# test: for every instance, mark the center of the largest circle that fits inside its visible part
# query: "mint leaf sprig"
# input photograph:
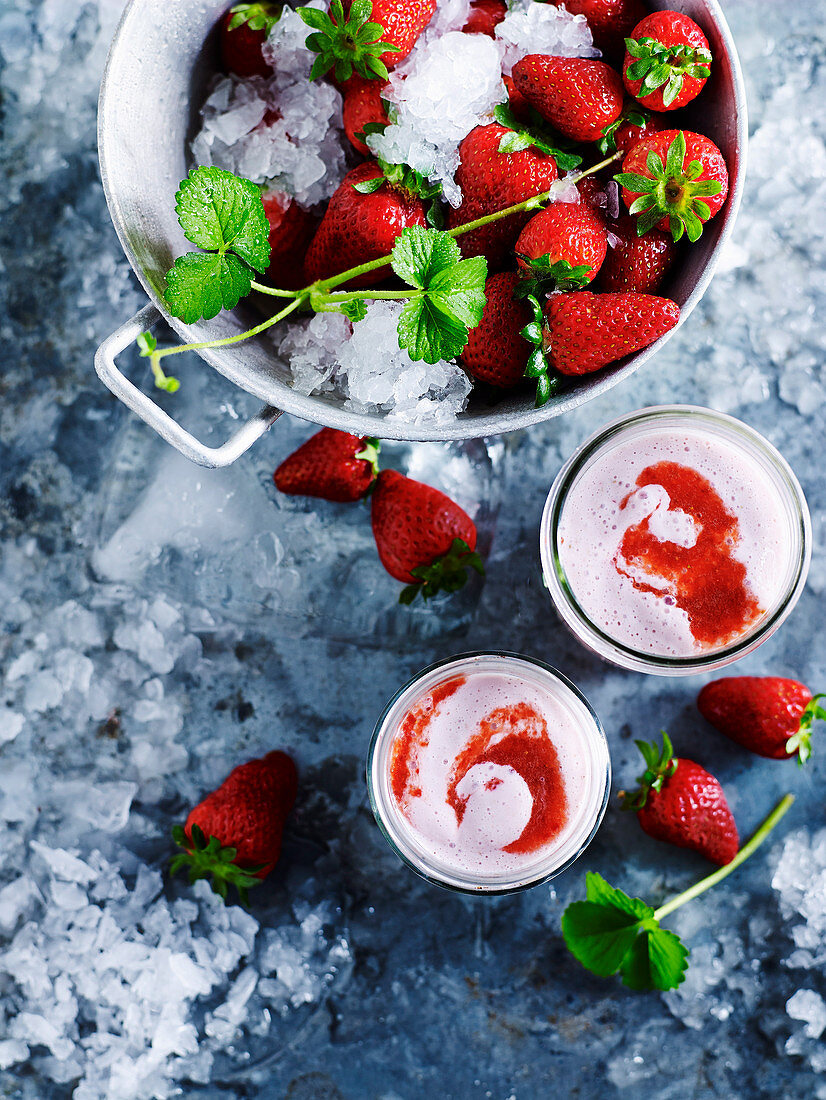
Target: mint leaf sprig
(225, 215)
(611, 932)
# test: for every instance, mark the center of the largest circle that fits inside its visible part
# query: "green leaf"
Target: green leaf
(428, 334)
(459, 290)
(515, 143)
(221, 212)
(599, 936)
(200, 285)
(147, 344)
(602, 892)
(447, 573)
(420, 254)
(657, 959)
(634, 182)
(355, 310)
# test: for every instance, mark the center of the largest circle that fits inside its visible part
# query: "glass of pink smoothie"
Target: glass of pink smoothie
(488, 773)
(675, 540)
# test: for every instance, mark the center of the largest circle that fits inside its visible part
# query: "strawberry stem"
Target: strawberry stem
(319, 291)
(748, 849)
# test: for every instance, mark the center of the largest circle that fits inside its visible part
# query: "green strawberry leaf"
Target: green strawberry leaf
(201, 284)
(660, 765)
(420, 254)
(428, 334)
(801, 742)
(205, 857)
(537, 134)
(459, 291)
(448, 573)
(147, 344)
(220, 212)
(355, 310)
(611, 931)
(259, 17)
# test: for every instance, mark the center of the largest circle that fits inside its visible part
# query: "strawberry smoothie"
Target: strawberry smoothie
(489, 773)
(677, 533)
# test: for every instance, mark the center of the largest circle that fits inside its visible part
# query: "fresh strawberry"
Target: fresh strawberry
(362, 222)
(233, 837)
(485, 16)
(682, 803)
(369, 39)
(244, 30)
(332, 465)
(674, 179)
(496, 351)
(578, 97)
(632, 126)
(769, 715)
(667, 61)
(611, 21)
(518, 104)
(565, 244)
(422, 536)
(585, 331)
(363, 107)
(492, 180)
(291, 230)
(592, 192)
(634, 262)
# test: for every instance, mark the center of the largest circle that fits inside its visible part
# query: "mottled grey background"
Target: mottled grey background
(224, 622)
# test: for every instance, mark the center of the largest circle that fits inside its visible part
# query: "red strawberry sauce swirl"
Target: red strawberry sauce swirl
(514, 736)
(705, 580)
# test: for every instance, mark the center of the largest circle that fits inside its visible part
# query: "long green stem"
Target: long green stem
(291, 308)
(748, 849)
(272, 291)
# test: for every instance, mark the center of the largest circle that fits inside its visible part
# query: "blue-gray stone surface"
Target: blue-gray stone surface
(160, 623)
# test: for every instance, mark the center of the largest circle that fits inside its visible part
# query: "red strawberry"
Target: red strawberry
(566, 243)
(485, 16)
(769, 715)
(492, 180)
(577, 96)
(685, 187)
(496, 351)
(332, 465)
(634, 262)
(520, 108)
(244, 30)
(362, 222)
(592, 192)
(682, 803)
(667, 61)
(585, 331)
(632, 126)
(234, 835)
(363, 106)
(344, 45)
(611, 21)
(422, 536)
(291, 230)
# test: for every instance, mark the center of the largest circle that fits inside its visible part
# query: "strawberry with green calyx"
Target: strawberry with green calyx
(561, 248)
(769, 715)
(364, 112)
(683, 804)
(233, 837)
(585, 332)
(364, 218)
(369, 39)
(611, 932)
(423, 538)
(332, 465)
(676, 180)
(632, 126)
(636, 263)
(577, 96)
(244, 30)
(493, 180)
(667, 61)
(506, 346)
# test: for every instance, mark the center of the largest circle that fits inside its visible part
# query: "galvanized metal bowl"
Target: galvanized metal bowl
(161, 60)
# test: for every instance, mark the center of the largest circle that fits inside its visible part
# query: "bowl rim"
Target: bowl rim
(315, 408)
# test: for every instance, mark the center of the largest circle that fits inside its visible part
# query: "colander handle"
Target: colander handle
(154, 415)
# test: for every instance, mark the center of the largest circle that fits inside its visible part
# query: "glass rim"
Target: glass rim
(466, 884)
(577, 619)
